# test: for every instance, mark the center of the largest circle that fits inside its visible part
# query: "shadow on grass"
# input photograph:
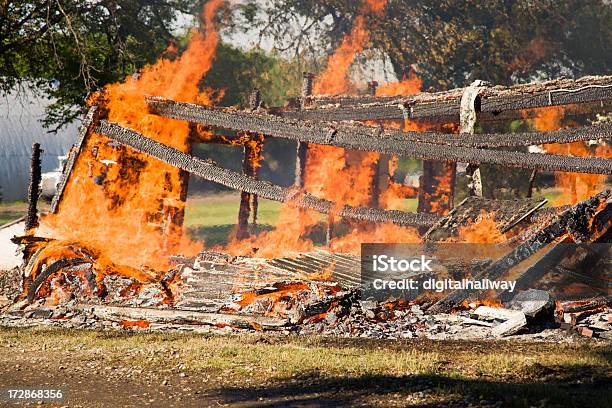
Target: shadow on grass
(437, 390)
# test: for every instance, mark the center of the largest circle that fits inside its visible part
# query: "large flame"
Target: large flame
(345, 177)
(334, 79)
(410, 85)
(575, 186)
(122, 204)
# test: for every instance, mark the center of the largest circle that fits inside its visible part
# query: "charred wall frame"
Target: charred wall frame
(440, 151)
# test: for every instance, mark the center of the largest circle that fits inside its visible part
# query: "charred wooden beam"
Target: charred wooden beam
(50, 270)
(583, 306)
(237, 181)
(251, 151)
(445, 106)
(507, 214)
(183, 316)
(91, 118)
(369, 138)
(31, 220)
(584, 222)
(492, 140)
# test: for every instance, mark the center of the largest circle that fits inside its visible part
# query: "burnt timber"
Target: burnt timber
(369, 138)
(495, 102)
(31, 220)
(240, 182)
(583, 222)
(91, 118)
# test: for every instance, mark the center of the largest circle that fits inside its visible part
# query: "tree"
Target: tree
(81, 45)
(236, 73)
(451, 42)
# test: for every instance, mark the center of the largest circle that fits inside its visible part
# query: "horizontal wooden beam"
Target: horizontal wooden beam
(370, 138)
(495, 102)
(210, 171)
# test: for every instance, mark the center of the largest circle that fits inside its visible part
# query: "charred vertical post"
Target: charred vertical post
(34, 188)
(470, 106)
(174, 215)
(302, 147)
(300, 163)
(245, 202)
(251, 154)
(372, 86)
(380, 180)
(255, 103)
(307, 86)
(532, 178)
(437, 187)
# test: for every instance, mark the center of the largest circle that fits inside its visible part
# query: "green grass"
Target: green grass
(371, 372)
(12, 211)
(222, 209)
(211, 218)
(553, 195)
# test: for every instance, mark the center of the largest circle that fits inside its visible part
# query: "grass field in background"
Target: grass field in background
(212, 217)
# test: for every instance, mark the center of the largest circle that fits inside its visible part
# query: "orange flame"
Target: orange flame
(112, 202)
(334, 79)
(408, 86)
(576, 186)
(483, 230)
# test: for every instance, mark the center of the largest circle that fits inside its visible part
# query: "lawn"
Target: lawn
(269, 370)
(11, 211)
(211, 217)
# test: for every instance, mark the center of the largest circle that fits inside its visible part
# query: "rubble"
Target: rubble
(512, 320)
(532, 302)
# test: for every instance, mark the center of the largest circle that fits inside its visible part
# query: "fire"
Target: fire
(342, 176)
(410, 85)
(334, 80)
(473, 304)
(576, 186)
(483, 230)
(287, 236)
(141, 324)
(113, 203)
(345, 177)
(393, 197)
(384, 233)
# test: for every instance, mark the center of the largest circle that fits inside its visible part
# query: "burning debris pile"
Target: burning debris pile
(112, 251)
(322, 292)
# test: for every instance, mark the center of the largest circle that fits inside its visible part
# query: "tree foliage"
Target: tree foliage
(235, 73)
(452, 42)
(81, 45)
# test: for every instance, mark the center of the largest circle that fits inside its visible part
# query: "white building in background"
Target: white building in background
(20, 126)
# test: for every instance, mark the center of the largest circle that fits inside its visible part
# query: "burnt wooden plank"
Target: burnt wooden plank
(240, 182)
(583, 222)
(367, 138)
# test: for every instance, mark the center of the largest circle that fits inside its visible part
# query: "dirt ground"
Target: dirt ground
(112, 369)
